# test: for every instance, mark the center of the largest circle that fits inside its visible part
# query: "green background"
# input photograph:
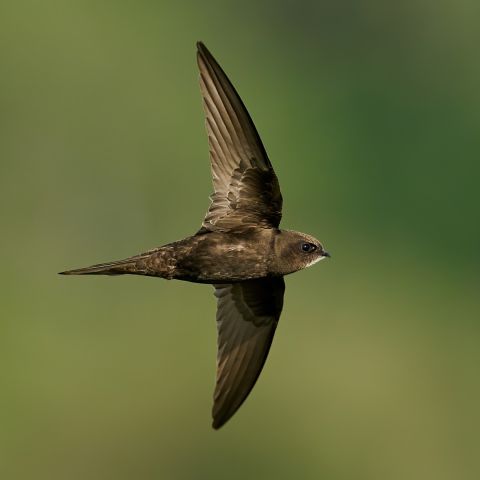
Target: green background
(370, 114)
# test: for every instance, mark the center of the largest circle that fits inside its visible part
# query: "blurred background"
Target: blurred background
(370, 113)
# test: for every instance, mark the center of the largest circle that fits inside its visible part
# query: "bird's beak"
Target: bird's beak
(325, 254)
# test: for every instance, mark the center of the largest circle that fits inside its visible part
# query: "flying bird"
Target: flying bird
(239, 248)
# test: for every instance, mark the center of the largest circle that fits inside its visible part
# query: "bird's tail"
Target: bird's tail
(133, 265)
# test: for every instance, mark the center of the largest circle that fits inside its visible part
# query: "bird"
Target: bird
(239, 248)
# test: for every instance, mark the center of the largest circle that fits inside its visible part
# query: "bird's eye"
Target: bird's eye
(308, 247)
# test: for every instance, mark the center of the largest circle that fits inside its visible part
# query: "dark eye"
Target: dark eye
(308, 247)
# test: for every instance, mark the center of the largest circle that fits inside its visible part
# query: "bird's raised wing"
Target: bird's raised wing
(246, 190)
(247, 315)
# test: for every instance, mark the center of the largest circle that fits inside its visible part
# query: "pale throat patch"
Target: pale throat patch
(313, 262)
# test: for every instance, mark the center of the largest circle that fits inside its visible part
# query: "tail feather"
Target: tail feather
(120, 267)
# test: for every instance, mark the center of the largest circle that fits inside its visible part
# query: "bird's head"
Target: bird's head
(295, 251)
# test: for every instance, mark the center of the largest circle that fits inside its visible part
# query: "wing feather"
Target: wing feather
(236, 154)
(247, 316)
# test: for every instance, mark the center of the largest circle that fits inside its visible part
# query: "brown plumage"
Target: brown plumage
(239, 248)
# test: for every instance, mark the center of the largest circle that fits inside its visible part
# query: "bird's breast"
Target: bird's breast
(220, 257)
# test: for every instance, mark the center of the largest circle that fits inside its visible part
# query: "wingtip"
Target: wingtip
(201, 46)
(219, 419)
(216, 425)
(203, 51)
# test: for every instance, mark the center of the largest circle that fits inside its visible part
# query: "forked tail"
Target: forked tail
(154, 263)
(133, 265)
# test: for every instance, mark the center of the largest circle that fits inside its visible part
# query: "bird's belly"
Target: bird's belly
(221, 261)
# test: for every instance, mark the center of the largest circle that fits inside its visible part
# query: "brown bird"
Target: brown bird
(239, 249)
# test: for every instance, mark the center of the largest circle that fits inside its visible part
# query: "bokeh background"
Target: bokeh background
(370, 113)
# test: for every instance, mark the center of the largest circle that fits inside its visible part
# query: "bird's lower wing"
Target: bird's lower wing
(247, 316)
